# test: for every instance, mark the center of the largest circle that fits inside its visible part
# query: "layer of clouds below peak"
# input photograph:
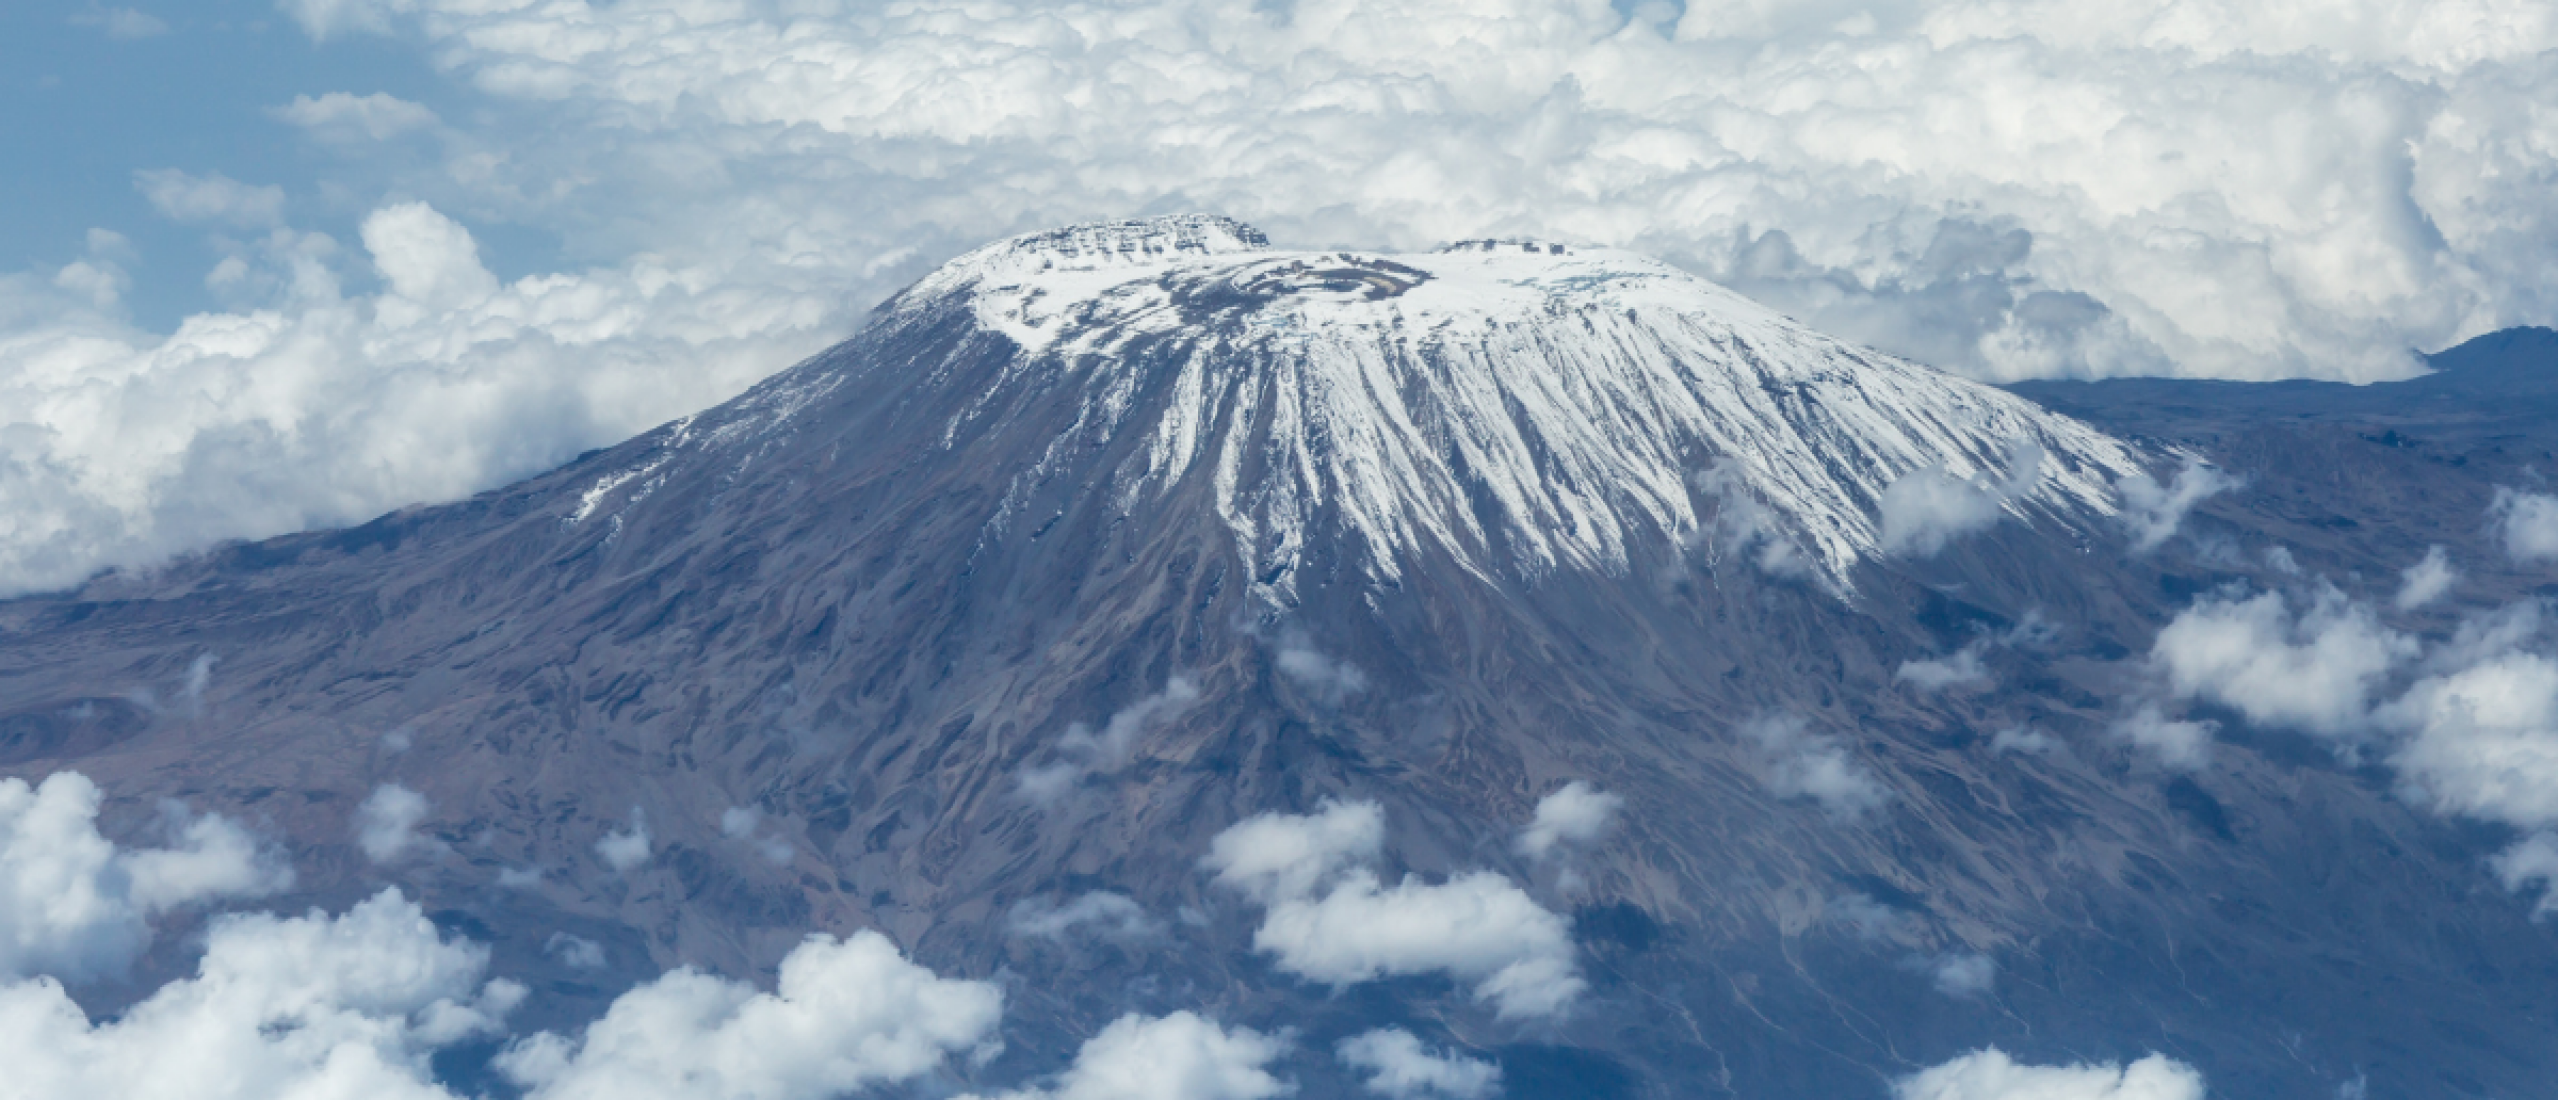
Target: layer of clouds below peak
(2006, 189)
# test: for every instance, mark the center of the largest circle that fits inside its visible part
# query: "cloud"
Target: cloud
(2483, 740)
(1330, 680)
(2316, 672)
(122, 24)
(625, 848)
(340, 116)
(1927, 509)
(1741, 526)
(2529, 524)
(1092, 752)
(742, 823)
(2154, 512)
(1992, 1075)
(1795, 762)
(847, 1015)
(1107, 915)
(1575, 815)
(574, 950)
(75, 905)
(1330, 919)
(1964, 974)
(1963, 669)
(1398, 1066)
(2024, 739)
(2427, 580)
(213, 197)
(1177, 1057)
(2529, 863)
(386, 823)
(351, 1005)
(2180, 744)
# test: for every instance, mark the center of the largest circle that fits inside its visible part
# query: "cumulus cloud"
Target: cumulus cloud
(1330, 680)
(1963, 669)
(351, 1005)
(2177, 743)
(1091, 752)
(1575, 815)
(1330, 918)
(1741, 527)
(626, 847)
(2315, 672)
(386, 823)
(1992, 1075)
(847, 1015)
(2483, 739)
(2023, 739)
(1182, 1056)
(1099, 913)
(1927, 509)
(340, 116)
(1963, 974)
(2528, 522)
(75, 905)
(1795, 762)
(211, 198)
(743, 823)
(2427, 580)
(2531, 863)
(1397, 1065)
(2153, 512)
(574, 950)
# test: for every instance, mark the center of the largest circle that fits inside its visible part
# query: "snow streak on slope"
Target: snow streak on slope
(1523, 406)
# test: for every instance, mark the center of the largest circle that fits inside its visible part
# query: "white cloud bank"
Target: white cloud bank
(311, 1006)
(75, 905)
(1992, 1075)
(2005, 188)
(1328, 916)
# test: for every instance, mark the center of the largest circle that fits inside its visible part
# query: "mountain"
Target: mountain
(1097, 542)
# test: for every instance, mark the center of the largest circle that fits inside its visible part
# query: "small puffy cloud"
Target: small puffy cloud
(2530, 863)
(2482, 741)
(743, 823)
(1398, 1066)
(2315, 672)
(1741, 527)
(1331, 919)
(626, 847)
(1963, 669)
(574, 950)
(1927, 509)
(2176, 743)
(1575, 815)
(1964, 974)
(2023, 739)
(1869, 919)
(1182, 1056)
(1100, 913)
(387, 820)
(847, 1015)
(1088, 751)
(211, 198)
(429, 260)
(1330, 680)
(2153, 512)
(76, 906)
(2427, 580)
(342, 116)
(313, 1006)
(1795, 762)
(2528, 523)
(1992, 1075)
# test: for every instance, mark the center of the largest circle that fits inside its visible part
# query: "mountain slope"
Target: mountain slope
(1061, 567)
